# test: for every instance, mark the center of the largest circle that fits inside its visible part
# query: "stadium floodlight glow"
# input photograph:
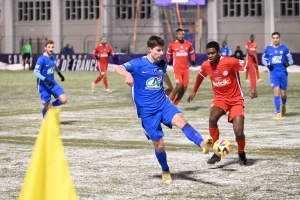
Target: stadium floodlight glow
(180, 2)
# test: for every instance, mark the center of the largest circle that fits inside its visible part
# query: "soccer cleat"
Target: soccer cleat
(260, 80)
(283, 110)
(214, 159)
(278, 116)
(166, 177)
(93, 86)
(109, 91)
(242, 159)
(207, 144)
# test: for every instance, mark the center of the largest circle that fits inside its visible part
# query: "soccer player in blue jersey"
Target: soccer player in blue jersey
(46, 85)
(277, 58)
(224, 50)
(145, 76)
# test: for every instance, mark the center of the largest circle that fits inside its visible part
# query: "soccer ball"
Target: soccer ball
(222, 147)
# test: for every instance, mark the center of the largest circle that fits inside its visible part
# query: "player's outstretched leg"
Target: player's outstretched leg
(192, 134)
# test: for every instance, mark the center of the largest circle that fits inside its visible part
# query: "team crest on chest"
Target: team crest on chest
(216, 72)
(154, 70)
(225, 73)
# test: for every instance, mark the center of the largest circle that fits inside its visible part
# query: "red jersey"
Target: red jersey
(251, 46)
(225, 77)
(181, 53)
(102, 52)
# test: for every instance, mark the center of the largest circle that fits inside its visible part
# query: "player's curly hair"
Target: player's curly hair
(154, 41)
(213, 44)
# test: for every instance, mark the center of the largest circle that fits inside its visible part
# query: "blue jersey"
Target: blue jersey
(277, 56)
(225, 51)
(147, 91)
(46, 67)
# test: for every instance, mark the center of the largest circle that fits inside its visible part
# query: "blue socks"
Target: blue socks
(192, 134)
(162, 159)
(277, 103)
(44, 112)
(283, 100)
(57, 102)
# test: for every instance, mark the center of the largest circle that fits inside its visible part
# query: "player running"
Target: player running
(277, 58)
(46, 85)
(101, 54)
(252, 57)
(228, 96)
(180, 49)
(145, 76)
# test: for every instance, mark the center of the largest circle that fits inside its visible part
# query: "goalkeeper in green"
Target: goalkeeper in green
(26, 54)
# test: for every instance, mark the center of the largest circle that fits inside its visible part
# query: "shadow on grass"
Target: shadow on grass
(188, 175)
(290, 114)
(250, 162)
(68, 122)
(194, 108)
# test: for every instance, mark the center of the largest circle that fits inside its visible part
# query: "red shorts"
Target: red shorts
(234, 107)
(250, 60)
(102, 68)
(182, 77)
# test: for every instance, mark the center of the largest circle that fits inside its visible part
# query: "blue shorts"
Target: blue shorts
(55, 91)
(152, 123)
(281, 81)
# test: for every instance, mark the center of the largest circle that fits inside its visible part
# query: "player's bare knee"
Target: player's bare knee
(213, 121)
(240, 135)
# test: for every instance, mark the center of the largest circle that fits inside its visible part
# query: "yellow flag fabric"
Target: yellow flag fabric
(48, 176)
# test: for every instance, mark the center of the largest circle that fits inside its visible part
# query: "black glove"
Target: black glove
(170, 62)
(109, 54)
(96, 57)
(270, 67)
(193, 63)
(286, 65)
(62, 78)
(50, 83)
(161, 63)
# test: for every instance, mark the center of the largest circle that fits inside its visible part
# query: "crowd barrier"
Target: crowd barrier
(85, 62)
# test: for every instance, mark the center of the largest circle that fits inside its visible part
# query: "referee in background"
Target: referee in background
(26, 54)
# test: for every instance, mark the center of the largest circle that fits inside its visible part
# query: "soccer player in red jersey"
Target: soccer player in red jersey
(252, 57)
(180, 49)
(224, 75)
(101, 54)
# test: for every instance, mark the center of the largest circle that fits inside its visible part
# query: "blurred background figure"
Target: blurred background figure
(224, 50)
(238, 54)
(26, 54)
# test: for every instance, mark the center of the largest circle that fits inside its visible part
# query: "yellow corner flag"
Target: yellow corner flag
(48, 176)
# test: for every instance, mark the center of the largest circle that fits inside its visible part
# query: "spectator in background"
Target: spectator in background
(66, 49)
(72, 50)
(26, 54)
(224, 50)
(238, 54)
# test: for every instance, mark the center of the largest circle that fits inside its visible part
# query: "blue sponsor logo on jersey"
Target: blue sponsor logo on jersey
(153, 83)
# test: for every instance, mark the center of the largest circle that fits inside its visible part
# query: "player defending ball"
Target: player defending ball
(228, 96)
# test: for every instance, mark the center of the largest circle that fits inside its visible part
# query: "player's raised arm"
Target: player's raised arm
(199, 80)
(122, 72)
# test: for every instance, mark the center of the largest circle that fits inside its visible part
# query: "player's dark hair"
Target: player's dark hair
(49, 42)
(276, 33)
(213, 44)
(155, 41)
(251, 35)
(180, 29)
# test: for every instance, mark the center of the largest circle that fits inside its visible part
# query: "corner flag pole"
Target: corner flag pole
(178, 15)
(99, 22)
(135, 23)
